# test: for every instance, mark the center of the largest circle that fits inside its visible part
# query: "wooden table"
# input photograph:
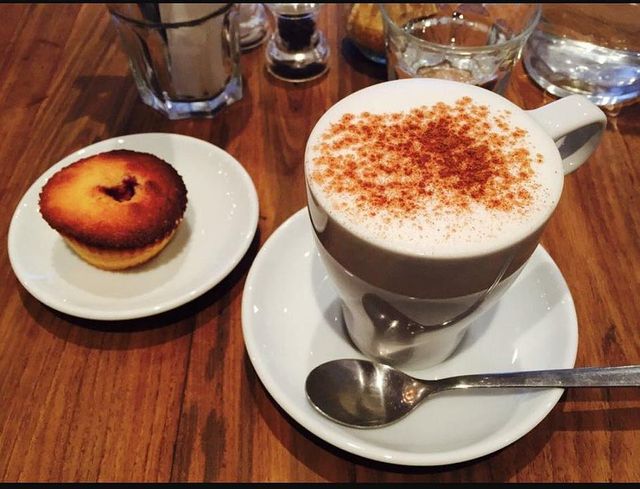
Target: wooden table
(175, 397)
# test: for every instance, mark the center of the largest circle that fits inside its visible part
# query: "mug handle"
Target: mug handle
(575, 124)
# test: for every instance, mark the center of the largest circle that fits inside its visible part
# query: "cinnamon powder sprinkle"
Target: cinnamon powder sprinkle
(452, 155)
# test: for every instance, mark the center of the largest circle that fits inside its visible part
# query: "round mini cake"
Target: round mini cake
(116, 209)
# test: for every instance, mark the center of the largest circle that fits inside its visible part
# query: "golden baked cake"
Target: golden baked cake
(366, 27)
(116, 209)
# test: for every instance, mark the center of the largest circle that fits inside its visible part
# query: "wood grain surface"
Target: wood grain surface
(174, 397)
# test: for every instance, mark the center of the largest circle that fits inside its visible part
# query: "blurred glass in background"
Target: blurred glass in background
(471, 43)
(587, 49)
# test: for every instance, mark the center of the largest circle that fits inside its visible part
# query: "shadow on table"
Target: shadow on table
(142, 332)
(360, 63)
(628, 121)
(95, 98)
(325, 459)
(582, 410)
(113, 102)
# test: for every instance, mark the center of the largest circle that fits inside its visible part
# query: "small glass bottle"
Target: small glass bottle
(297, 51)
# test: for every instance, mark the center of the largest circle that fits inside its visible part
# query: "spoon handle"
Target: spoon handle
(573, 377)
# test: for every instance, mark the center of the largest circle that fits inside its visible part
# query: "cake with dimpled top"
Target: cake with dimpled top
(116, 209)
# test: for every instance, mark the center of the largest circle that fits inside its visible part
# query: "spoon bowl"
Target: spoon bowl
(365, 394)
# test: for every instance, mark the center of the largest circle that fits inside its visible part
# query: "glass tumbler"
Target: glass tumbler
(470, 43)
(587, 49)
(185, 58)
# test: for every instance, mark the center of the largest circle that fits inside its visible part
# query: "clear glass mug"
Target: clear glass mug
(185, 58)
(470, 43)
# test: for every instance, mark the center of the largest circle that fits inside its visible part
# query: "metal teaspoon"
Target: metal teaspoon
(365, 394)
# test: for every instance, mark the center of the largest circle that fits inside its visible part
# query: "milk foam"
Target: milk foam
(434, 230)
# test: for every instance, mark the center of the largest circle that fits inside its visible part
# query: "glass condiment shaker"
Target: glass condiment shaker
(297, 51)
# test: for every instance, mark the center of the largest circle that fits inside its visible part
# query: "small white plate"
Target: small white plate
(292, 322)
(219, 225)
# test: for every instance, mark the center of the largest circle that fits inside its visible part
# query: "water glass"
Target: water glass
(587, 49)
(185, 58)
(471, 43)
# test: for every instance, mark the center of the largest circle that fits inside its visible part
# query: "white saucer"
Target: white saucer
(219, 225)
(292, 322)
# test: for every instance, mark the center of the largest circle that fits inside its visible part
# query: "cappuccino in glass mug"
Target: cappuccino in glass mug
(427, 197)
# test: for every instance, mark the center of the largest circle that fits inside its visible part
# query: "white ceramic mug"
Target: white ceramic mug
(409, 309)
